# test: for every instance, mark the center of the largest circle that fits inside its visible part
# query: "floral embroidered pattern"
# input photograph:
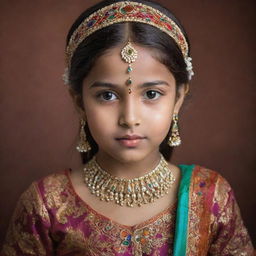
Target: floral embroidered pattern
(72, 227)
(23, 237)
(60, 200)
(215, 224)
(152, 238)
(50, 219)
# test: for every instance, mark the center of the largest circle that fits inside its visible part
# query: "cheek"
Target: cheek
(158, 123)
(161, 124)
(161, 113)
(100, 120)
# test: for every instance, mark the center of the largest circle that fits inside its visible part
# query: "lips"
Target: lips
(131, 137)
(130, 141)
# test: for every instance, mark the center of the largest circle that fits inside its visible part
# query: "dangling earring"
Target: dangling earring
(83, 144)
(174, 139)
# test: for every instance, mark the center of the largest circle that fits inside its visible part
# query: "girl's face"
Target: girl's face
(129, 127)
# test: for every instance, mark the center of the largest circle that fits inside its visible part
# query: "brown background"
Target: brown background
(39, 124)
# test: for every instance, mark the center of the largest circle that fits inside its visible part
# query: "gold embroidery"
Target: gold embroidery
(141, 239)
(196, 209)
(215, 225)
(59, 197)
(93, 234)
(31, 201)
(74, 241)
(28, 211)
(29, 243)
(147, 238)
(9, 250)
(232, 238)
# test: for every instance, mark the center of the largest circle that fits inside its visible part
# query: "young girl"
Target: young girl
(128, 69)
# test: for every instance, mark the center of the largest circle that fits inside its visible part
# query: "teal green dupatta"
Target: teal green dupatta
(181, 227)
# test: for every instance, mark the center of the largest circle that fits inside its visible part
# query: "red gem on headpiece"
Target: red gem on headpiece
(168, 26)
(181, 37)
(128, 8)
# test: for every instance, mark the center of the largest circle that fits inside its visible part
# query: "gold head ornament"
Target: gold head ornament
(129, 55)
(127, 11)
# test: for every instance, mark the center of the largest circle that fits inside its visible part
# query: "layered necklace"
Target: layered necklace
(130, 192)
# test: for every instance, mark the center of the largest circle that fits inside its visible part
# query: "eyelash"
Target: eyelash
(155, 91)
(101, 94)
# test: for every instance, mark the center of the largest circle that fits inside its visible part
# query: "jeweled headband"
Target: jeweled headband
(128, 11)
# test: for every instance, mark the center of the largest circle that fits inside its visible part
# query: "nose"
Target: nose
(129, 113)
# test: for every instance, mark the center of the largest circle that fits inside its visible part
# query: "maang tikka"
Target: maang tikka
(83, 145)
(129, 55)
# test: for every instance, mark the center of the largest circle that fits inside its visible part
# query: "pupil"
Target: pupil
(151, 94)
(107, 95)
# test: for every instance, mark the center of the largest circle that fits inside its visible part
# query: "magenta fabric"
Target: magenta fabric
(51, 219)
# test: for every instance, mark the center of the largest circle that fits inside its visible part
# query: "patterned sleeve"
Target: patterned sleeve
(28, 232)
(230, 235)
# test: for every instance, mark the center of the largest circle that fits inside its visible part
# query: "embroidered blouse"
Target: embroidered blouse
(51, 219)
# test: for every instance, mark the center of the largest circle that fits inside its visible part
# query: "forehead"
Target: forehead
(111, 65)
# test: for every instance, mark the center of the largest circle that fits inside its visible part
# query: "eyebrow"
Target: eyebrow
(103, 84)
(144, 85)
(154, 83)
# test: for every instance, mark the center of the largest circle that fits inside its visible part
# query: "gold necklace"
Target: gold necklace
(130, 192)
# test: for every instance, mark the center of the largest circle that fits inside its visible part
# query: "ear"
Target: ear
(78, 101)
(181, 93)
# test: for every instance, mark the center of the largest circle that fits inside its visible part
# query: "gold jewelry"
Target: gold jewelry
(83, 144)
(129, 55)
(175, 139)
(129, 11)
(130, 192)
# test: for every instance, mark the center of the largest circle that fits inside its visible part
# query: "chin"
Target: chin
(130, 156)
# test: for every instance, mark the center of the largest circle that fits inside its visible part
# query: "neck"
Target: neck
(128, 169)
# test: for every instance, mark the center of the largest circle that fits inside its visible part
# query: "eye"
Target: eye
(107, 96)
(152, 95)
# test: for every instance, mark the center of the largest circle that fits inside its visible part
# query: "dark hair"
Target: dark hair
(84, 57)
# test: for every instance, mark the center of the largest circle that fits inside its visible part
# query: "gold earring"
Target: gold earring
(174, 139)
(83, 144)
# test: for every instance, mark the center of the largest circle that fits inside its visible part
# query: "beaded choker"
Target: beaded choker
(129, 192)
(128, 11)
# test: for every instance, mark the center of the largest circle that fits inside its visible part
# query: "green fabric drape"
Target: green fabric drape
(180, 238)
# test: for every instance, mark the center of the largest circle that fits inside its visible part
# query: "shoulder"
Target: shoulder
(207, 185)
(33, 200)
(54, 182)
(54, 187)
(203, 176)
(46, 190)
(212, 187)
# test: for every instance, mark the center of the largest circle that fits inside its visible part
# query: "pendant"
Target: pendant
(129, 55)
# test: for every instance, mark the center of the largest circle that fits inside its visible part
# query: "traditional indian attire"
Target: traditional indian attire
(51, 219)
